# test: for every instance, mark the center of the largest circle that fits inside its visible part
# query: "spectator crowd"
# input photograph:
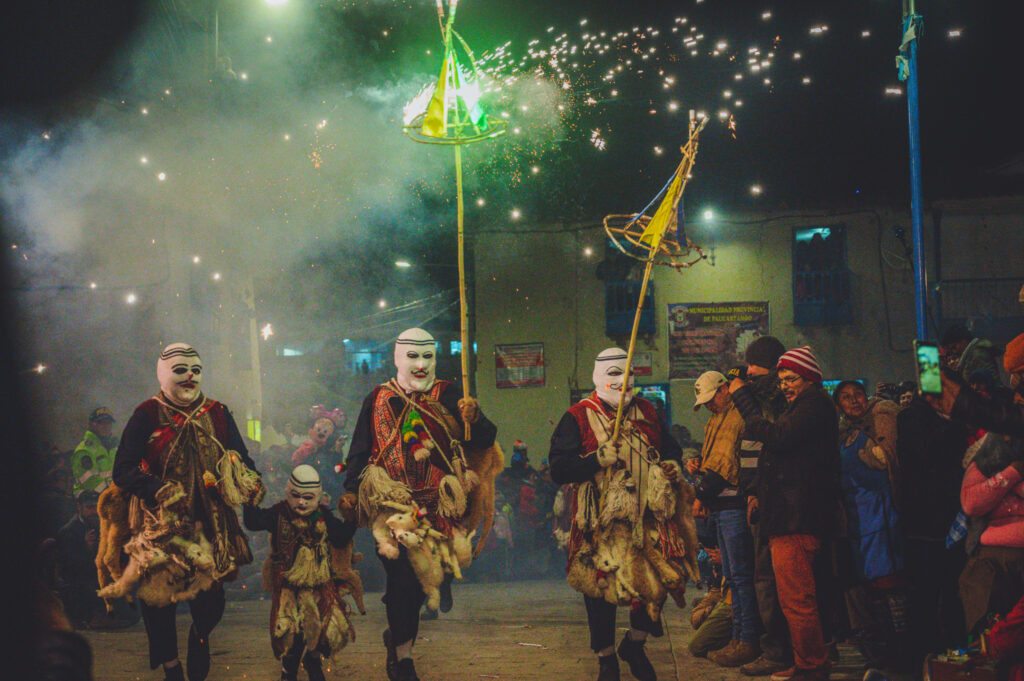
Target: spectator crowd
(889, 519)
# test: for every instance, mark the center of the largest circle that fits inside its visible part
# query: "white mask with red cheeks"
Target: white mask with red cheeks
(303, 491)
(416, 360)
(609, 369)
(180, 371)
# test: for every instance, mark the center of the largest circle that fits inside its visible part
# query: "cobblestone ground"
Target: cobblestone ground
(500, 631)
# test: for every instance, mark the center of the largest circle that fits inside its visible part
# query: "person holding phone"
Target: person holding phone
(962, 404)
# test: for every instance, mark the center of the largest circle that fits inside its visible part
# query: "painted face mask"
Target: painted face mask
(609, 367)
(303, 491)
(415, 359)
(180, 371)
(321, 431)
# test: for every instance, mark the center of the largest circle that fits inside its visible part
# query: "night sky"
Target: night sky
(836, 140)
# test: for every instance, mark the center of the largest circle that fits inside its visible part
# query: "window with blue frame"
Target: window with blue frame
(821, 279)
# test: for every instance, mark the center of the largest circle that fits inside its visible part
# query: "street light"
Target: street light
(403, 263)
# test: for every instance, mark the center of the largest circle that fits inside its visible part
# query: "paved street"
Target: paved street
(502, 631)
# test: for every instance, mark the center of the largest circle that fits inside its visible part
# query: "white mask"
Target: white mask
(303, 491)
(180, 371)
(609, 367)
(415, 359)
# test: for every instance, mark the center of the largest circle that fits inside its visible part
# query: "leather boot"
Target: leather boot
(608, 668)
(633, 653)
(407, 670)
(198, 664)
(314, 669)
(391, 657)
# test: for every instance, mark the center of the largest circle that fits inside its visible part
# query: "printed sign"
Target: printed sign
(642, 364)
(519, 366)
(712, 336)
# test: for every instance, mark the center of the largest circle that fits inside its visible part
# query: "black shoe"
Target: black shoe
(632, 652)
(428, 614)
(314, 670)
(391, 660)
(198, 664)
(174, 673)
(608, 668)
(407, 670)
(446, 594)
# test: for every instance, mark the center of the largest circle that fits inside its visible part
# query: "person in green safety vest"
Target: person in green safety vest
(93, 460)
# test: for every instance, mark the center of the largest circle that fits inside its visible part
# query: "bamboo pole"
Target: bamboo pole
(463, 307)
(632, 345)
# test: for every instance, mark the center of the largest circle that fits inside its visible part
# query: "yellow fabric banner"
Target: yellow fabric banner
(663, 216)
(435, 122)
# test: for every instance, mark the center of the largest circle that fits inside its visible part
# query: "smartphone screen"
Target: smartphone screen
(926, 354)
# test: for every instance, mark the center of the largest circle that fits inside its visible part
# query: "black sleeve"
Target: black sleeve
(708, 486)
(126, 472)
(997, 416)
(361, 446)
(257, 519)
(235, 441)
(565, 458)
(782, 435)
(339, 532)
(483, 432)
(670, 449)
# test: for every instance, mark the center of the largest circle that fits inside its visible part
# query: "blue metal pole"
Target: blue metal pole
(916, 209)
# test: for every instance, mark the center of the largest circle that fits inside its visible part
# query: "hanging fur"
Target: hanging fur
(485, 465)
(619, 501)
(287, 623)
(337, 633)
(346, 577)
(376, 489)
(462, 546)
(238, 484)
(309, 616)
(309, 569)
(661, 495)
(451, 498)
(586, 507)
(115, 531)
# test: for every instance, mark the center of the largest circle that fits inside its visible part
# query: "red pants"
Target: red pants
(792, 559)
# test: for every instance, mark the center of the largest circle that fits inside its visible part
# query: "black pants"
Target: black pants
(935, 613)
(293, 656)
(403, 598)
(601, 620)
(775, 643)
(207, 608)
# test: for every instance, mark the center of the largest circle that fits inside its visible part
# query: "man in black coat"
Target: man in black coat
(796, 493)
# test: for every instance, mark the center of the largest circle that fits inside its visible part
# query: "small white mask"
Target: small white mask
(609, 367)
(415, 359)
(180, 371)
(303, 491)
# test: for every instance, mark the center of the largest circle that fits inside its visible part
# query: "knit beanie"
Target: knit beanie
(802, 362)
(1013, 358)
(764, 352)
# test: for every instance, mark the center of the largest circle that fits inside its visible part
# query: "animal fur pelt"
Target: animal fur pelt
(170, 558)
(345, 576)
(114, 533)
(484, 464)
(451, 498)
(378, 497)
(623, 562)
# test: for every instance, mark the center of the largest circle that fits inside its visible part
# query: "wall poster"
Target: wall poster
(519, 366)
(712, 336)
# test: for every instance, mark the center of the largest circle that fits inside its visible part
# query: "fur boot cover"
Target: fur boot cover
(324, 622)
(238, 484)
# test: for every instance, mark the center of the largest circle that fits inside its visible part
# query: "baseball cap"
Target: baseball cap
(706, 386)
(100, 414)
